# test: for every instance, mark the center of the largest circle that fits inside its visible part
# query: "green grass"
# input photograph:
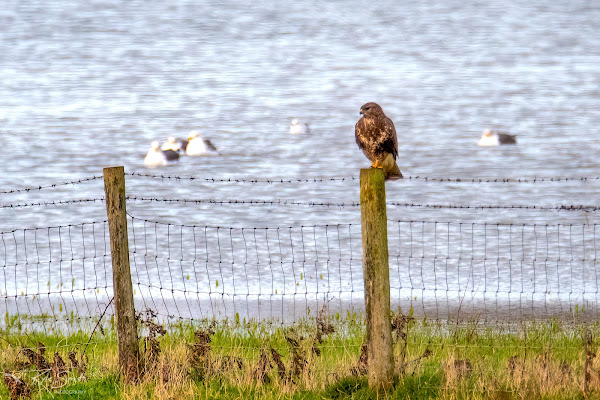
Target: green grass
(432, 361)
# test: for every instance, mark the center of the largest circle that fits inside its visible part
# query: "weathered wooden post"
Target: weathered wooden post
(376, 272)
(114, 187)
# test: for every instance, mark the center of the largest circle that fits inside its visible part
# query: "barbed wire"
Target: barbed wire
(253, 202)
(244, 180)
(251, 180)
(53, 185)
(52, 203)
(275, 180)
(504, 180)
(571, 207)
(284, 202)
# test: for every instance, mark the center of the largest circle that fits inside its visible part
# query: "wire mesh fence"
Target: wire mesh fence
(439, 269)
(58, 279)
(61, 275)
(442, 270)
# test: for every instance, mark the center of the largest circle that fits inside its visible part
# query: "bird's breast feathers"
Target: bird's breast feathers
(373, 133)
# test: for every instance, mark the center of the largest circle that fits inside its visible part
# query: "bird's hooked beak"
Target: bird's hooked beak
(361, 112)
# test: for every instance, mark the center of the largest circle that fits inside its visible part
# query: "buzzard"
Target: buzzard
(376, 136)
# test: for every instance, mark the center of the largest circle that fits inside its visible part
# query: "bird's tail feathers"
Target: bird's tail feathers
(393, 174)
(390, 169)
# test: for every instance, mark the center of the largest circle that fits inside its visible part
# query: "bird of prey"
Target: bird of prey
(376, 137)
(495, 138)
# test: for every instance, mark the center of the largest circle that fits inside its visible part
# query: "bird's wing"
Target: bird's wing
(390, 144)
(506, 138)
(210, 145)
(171, 155)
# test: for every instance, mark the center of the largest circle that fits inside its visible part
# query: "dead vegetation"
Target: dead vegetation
(281, 370)
(200, 358)
(17, 388)
(363, 362)
(151, 350)
(59, 371)
(308, 357)
(78, 365)
(31, 365)
(263, 366)
(301, 352)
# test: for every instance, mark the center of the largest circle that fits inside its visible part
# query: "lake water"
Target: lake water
(89, 84)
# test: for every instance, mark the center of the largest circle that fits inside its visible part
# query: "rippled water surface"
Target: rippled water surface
(88, 84)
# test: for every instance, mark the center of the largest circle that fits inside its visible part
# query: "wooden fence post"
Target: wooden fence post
(376, 272)
(114, 187)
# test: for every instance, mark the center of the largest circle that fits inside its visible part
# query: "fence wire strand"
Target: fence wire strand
(53, 203)
(285, 202)
(298, 180)
(51, 186)
(289, 202)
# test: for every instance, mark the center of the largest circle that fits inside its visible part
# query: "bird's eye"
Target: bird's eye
(367, 108)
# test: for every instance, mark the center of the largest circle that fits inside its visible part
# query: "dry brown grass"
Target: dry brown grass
(290, 360)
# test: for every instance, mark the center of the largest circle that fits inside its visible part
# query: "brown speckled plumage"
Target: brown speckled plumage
(376, 137)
